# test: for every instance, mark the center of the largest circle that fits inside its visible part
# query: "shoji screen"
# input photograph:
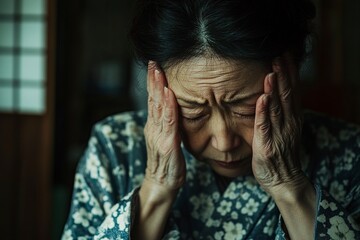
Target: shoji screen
(22, 56)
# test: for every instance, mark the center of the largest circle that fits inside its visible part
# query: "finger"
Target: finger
(170, 119)
(150, 75)
(292, 69)
(275, 111)
(284, 89)
(158, 95)
(262, 126)
(150, 87)
(267, 84)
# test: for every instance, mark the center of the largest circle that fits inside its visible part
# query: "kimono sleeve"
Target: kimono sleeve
(98, 210)
(107, 181)
(333, 221)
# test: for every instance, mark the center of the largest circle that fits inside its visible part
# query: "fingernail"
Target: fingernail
(166, 92)
(151, 64)
(272, 79)
(157, 74)
(265, 100)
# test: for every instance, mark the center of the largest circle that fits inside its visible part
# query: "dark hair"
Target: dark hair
(170, 31)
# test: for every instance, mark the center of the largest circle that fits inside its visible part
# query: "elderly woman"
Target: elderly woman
(224, 150)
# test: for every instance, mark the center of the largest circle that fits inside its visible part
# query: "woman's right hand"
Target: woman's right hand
(165, 172)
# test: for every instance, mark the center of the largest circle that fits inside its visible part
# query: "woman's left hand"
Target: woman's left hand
(277, 132)
(276, 164)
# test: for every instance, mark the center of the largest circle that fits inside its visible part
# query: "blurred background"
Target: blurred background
(66, 64)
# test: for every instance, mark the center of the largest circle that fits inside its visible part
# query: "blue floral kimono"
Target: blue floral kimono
(113, 166)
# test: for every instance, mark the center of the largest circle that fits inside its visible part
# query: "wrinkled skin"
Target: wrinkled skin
(271, 137)
(277, 131)
(241, 119)
(165, 165)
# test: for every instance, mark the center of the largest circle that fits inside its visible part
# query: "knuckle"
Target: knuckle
(285, 95)
(150, 102)
(168, 129)
(158, 106)
(165, 152)
(263, 127)
(157, 124)
(275, 111)
(169, 121)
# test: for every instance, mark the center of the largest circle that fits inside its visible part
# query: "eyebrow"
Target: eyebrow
(193, 102)
(237, 100)
(242, 99)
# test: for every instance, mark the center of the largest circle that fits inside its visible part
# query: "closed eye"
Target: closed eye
(194, 119)
(246, 116)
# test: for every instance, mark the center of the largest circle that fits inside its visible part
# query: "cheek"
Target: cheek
(247, 134)
(195, 140)
(243, 129)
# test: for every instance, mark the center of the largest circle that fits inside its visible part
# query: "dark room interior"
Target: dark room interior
(89, 72)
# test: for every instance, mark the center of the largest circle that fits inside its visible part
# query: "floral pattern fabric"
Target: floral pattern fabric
(113, 167)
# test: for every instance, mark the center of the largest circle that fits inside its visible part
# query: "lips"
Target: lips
(230, 165)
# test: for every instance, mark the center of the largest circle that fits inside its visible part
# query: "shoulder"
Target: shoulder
(115, 129)
(123, 124)
(121, 134)
(330, 134)
(113, 163)
(333, 148)
(117, 149)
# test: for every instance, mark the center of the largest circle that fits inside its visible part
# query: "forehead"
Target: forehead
(217, 73)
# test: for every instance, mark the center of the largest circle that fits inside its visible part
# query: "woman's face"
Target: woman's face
(217, 100)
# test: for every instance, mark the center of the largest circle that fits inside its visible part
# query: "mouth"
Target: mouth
(230, 165)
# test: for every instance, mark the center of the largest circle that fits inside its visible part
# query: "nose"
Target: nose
(224, 137)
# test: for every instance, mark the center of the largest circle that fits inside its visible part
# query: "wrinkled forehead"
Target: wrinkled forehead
(214, 69)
